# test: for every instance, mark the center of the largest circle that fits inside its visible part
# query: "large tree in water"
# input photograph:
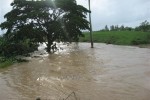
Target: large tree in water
(45, 21)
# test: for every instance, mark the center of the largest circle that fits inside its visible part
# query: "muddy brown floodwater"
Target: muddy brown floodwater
(106, 72)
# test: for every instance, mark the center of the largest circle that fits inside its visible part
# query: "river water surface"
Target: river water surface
(106, 72)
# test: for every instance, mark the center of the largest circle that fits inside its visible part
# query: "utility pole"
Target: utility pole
(91, 37)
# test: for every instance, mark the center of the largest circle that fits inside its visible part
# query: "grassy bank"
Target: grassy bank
(119, 37)
(6, 62)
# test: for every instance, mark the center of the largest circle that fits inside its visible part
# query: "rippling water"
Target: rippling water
(107, 72)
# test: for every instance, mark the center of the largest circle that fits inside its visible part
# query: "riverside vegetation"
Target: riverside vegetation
(32, 22)
(114, 35)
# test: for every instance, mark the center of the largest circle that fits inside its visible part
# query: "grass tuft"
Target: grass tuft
(6, 63)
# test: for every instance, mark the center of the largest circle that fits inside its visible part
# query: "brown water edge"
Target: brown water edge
(144, 46)
(106, 72)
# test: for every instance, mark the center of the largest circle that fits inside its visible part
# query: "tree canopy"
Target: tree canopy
(144, 26)
(45, 21)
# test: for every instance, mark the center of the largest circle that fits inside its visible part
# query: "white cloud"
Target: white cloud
(109, 12)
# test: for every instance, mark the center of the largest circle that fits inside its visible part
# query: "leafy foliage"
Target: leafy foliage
(144, 26)
(11, 48)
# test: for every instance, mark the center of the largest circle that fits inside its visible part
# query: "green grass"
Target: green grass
(6, 63)
(119, 37)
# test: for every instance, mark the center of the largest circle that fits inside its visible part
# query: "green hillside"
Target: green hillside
(118, 37)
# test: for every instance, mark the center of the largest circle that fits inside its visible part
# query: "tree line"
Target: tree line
(144, 26)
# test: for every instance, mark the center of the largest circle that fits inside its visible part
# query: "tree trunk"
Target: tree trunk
(49, 43)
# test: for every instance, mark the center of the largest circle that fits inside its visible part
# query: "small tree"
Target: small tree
(116, 28)
(112, 28)
(122, 28)
(128, 28)
(144, 26)
(106, 28)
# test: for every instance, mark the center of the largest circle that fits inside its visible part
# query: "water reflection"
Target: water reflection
(106, 72)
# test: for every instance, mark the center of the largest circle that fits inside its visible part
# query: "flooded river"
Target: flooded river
(106, 72)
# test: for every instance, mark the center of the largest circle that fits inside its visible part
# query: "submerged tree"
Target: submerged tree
(45, 21)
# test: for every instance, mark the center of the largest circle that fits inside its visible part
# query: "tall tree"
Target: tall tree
(112, 28)
(122, 28)
(116, 28)
(145, 26)
(45, 21)
(106, 28)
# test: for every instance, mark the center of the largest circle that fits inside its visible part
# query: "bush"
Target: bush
(139, 41)
(10, 49)
(111, 40)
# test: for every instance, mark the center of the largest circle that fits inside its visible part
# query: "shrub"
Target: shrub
(9, 49)
(139, 41)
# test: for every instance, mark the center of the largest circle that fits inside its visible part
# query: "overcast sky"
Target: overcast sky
(106, 12)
